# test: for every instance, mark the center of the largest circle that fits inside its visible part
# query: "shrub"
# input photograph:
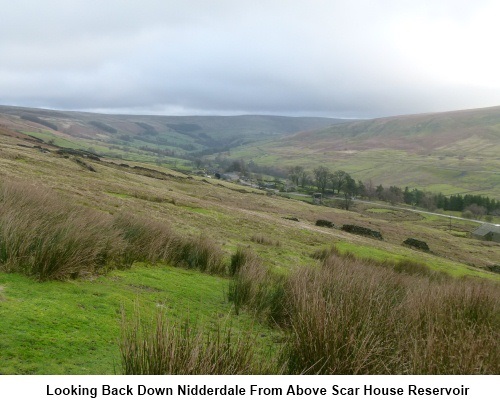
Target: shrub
(359, 230)
(324, 223)
(417, 244)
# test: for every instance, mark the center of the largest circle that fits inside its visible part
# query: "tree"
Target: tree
(238, 166)
(361, 189)
(393, 195)
(338, 180)
(304, 179)
(349, 188)
(369, 190)
(380, 191)
(198, 162)
(295, 173)
(477, 211)
(322, 175)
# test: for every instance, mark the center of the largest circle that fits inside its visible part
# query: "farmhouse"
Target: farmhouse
(489, 232)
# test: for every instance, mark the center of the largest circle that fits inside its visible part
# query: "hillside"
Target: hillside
(452, 152)
(199, 204)
(119, 236)
(150, 138)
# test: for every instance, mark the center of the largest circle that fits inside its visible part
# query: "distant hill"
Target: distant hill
(179, 134)
(450, 152)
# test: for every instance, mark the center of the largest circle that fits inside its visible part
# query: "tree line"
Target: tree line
(341, 182)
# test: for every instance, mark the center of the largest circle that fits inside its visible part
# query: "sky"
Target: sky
(345, 59)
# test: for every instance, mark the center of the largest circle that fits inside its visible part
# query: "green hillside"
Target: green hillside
(454, 152)
(150, 138)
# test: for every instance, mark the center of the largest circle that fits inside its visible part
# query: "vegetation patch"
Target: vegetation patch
(43, 236)
(359, 230)
(164, 347)
(55, 327)
(78, 152)
(264, 240)
(33, 118)
(324, 223)
(381, 210)
(103, 127)
(415, 323)
(418, 244)
(85, 165)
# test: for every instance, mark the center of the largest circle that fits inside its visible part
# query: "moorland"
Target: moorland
(122, 252)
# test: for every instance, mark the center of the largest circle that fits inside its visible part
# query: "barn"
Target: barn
(489, 232)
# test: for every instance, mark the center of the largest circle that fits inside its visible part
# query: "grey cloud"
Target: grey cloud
(280, 57)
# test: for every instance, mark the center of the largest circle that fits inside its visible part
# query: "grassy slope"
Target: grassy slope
(450, 152)
(199, 205)
(72, 327)
(125, 134)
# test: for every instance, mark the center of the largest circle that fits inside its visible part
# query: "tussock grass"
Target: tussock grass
(341, 317)
(351, 317)
(356, 316)
(147, 240)
(414, 268)
(47, 237)
(153, 241)
(264, 240)
(254, 286)
(43, 236)
(162, 347)
(201, 253)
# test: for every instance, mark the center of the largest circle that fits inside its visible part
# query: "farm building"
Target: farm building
(487, 232)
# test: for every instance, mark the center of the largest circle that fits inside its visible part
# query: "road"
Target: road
(394, 207)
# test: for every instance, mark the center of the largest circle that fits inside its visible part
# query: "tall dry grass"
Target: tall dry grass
(48, 237)
(452, 328)
(351, 316)
(254, 286)
(161, 347)
(342, 318)
(153, 241)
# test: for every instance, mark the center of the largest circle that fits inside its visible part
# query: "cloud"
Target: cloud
(334, 58)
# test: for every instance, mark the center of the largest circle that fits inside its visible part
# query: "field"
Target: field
(225, 259)
(455, 152)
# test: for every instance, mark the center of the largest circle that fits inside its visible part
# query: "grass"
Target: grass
(163, 347)
(353, 316)
(43, 236)
(160, 221)
(74, 327)
(48, 238)
(380, 210)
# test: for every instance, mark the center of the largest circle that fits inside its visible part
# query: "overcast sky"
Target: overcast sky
(351, 58)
